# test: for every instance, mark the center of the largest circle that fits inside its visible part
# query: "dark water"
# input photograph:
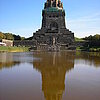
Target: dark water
(50, 76)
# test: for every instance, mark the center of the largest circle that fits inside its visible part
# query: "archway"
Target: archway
(54, 26)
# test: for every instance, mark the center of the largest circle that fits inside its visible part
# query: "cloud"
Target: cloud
(85, 25)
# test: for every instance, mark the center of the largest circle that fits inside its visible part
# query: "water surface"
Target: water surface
(50, 76)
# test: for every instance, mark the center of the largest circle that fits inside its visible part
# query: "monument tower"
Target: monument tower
(53, 34)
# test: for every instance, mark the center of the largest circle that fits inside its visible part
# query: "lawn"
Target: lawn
(13, 49)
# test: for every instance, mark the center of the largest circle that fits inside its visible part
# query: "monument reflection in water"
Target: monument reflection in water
(53, 68)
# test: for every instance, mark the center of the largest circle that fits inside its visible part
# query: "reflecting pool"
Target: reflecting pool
(50, 76)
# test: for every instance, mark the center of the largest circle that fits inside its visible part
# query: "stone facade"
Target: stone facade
(53, 34)
(26, 43)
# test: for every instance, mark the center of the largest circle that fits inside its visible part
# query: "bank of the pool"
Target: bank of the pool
(89, 49)
(13, 49)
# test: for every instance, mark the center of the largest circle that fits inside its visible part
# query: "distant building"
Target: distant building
(2, 44)
(7, 42)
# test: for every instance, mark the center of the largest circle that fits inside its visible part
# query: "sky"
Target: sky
(23, 17)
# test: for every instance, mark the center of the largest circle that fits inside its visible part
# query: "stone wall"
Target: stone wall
(80, 43)
(26, 43)
(54, 16)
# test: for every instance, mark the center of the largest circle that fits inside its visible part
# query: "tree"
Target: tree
(93, 38)
(2, 36)
(9, 36)
(16, 37)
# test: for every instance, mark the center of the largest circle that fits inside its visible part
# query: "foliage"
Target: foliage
(10, 36)
(16, 37)
(92, 44)
(78, 39)
(2, 36)
(22, 38)
(30, 38)
(93, 38)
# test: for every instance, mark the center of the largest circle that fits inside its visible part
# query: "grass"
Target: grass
(13, 49)
(79, 39)
(93, 49)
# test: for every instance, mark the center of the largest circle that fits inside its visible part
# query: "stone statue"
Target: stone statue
(53, 3)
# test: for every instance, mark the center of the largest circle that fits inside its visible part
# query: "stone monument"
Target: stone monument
(53, 34)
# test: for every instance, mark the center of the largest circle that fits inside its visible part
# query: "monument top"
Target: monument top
(53, 3)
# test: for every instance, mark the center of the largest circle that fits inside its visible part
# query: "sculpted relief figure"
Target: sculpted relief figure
(53, 3)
